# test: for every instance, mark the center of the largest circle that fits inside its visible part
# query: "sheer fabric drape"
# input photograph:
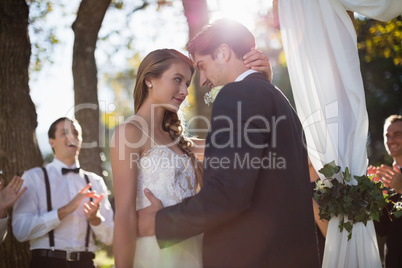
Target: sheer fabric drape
(321, 52)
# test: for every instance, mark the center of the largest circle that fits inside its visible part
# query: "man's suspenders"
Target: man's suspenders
(49, 208)
(88, 227)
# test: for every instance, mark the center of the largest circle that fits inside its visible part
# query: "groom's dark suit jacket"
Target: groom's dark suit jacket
(255, 208)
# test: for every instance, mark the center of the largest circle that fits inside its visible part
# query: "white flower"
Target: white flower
(327, 183)
(320, 185)
(209, 97)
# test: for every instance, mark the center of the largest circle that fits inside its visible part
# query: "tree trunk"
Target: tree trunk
(86, 28)
(196, 12)
(19, 149)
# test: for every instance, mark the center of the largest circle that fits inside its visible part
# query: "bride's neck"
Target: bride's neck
(154, 118)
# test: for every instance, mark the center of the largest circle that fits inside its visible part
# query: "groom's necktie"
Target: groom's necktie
(66, 170)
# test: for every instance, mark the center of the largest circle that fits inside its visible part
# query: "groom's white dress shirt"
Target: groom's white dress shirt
(244, 75)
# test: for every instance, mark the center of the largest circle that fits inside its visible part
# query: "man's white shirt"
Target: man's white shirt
(3, 228)
(32, 221)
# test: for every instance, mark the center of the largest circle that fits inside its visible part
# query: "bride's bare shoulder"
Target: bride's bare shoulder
(131, 131)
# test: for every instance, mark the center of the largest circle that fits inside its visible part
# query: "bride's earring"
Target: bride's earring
(150, 85)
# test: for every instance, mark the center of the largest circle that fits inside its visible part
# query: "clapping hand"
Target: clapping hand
(91, 209)
(146, 216)
(10, 194)
(76, 201)
(392, 178)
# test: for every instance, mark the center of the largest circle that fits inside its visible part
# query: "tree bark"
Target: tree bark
(196, 12)
(86, 28)
(19, 149)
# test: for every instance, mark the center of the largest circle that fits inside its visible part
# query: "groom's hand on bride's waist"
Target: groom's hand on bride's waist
(146, 216)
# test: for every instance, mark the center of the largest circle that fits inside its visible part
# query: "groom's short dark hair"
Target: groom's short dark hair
(223, 31)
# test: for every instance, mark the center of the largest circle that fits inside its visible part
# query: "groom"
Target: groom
(255, 206)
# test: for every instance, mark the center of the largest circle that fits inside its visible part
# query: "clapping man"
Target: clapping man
(64, 206)
(393, 144)
(392, 178)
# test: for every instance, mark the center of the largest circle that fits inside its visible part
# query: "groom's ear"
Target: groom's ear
(223, 53)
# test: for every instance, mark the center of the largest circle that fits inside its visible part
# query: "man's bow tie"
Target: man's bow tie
(66, 170)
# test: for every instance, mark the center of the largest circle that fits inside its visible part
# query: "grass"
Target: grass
(102, 260)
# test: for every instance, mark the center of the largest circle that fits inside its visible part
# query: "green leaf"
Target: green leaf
(398, 214)
(316, 197)
(348, 226)
(346, 175)
(341, 226)
(330, 169)
(349, 236)
(375, 216)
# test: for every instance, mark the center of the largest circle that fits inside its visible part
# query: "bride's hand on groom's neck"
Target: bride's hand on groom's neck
(258, 61)
(146, 216)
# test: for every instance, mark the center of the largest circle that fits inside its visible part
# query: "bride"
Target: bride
(150, 151)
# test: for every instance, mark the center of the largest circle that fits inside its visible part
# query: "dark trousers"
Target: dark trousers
(46, 262)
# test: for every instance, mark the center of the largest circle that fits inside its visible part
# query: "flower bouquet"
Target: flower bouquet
(359, 203)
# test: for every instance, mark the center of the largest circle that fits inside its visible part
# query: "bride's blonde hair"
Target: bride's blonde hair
(153, 66)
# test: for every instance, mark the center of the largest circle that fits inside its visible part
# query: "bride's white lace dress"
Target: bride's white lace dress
(171, 178)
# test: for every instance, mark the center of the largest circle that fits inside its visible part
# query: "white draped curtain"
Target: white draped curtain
(321, 52)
